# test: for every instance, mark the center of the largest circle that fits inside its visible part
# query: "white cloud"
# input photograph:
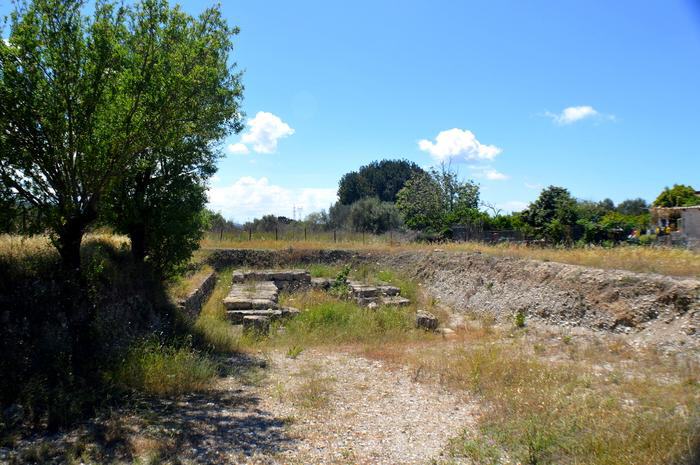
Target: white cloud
(238, 149)
(570, 115)
(458, 145)
(264, 131)
(249, 198)
(487, 172)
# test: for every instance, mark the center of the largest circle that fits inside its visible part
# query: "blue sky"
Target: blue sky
(340, 84)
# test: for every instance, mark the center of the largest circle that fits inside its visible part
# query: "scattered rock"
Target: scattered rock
(396, 301)
(426, 320)
(322, 284)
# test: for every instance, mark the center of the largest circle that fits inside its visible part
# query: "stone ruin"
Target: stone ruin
(367, 295)
(254, 297)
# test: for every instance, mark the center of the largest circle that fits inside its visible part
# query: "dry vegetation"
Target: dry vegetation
(642, 259)
(549, 398)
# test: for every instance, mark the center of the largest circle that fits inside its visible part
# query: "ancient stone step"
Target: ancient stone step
(366, 301)
(258, 324)
(322, 284)
(259, 295)
(289, 312)
(388, 290)
(426, 320)
(236, 317)
(361, 290)
(396, 301)
(283, 279)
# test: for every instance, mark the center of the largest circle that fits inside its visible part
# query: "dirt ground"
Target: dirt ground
(319, 407)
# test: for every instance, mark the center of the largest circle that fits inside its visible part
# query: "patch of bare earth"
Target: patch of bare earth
(347, 409)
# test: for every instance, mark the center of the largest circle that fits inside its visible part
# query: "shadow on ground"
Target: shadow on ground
(222, 425)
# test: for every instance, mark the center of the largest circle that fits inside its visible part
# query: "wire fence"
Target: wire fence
(292, 233)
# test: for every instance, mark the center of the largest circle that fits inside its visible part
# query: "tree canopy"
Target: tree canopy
(679, 195)
(94, 104)
(437, 200)
(382, 179)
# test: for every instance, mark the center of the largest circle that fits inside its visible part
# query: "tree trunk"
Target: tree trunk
(68, 244)
(137, 234)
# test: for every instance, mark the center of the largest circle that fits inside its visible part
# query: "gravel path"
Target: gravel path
(317, 408)
(343, 408)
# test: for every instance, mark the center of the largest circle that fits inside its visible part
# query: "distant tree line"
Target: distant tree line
(397, 194)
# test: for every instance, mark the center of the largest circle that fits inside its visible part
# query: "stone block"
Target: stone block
(426, 320)
(396, 301)
(257, 324)
(389, 290)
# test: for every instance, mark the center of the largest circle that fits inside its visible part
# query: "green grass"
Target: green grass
(159, 369)
(212, 330)
(320, 270)
(327, 320)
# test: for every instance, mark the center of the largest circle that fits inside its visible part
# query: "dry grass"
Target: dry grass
(181, 286)
(554, 400)
(159, 369)
(212, 328)
(663, 260)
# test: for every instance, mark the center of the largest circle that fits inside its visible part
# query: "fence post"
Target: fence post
(304, 233)
(391, 238)
(276, 234)
(250, 234)
(221, 234)
(363, 236)
(334, 237)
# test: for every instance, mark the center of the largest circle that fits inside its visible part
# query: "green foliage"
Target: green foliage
(519, 319)
(381, 179)
(129, 99)
(633, 207)
(339, 286)
(679, 195)
(436, 200)
(552, 214)
(420, 204)
(294, 351)
(372, 215)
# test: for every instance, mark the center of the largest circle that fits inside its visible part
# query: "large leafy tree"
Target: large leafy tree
(677, 196)
(160, 199)
(88, 101)
(437, 200)
(382, 179)
(553, 214)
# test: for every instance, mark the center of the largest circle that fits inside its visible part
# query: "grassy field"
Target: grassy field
(642, 259)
